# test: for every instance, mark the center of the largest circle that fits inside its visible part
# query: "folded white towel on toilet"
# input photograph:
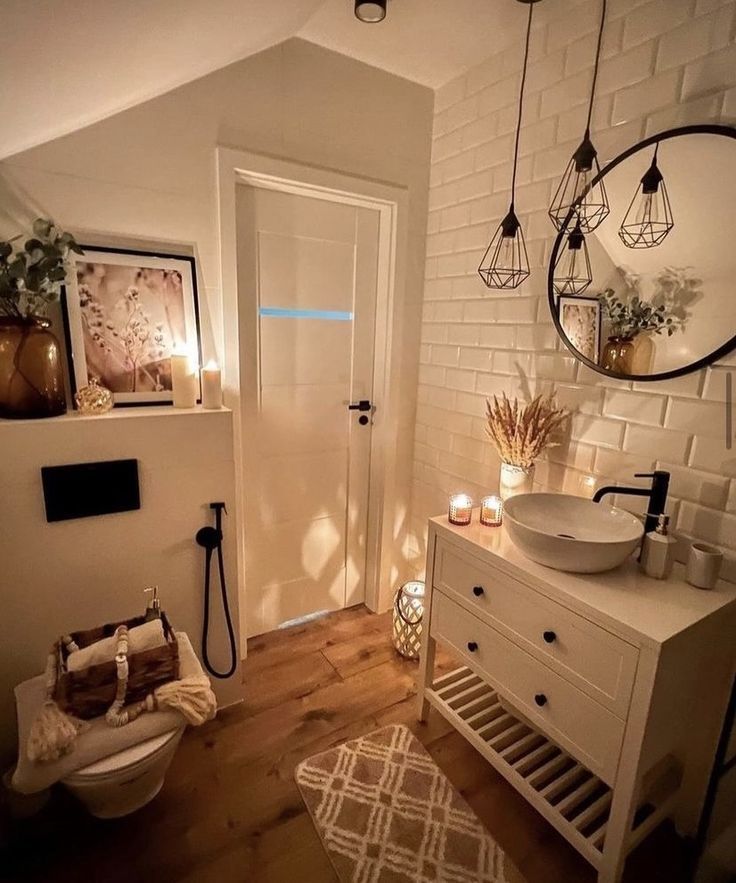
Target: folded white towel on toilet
(140, 638)
(100, 740)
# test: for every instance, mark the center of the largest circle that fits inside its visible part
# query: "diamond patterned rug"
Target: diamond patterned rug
(386, 813)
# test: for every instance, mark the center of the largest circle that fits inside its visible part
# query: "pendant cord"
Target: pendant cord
(595, 68)
(521, 103)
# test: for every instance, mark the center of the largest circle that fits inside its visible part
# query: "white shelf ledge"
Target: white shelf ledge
(117, 414)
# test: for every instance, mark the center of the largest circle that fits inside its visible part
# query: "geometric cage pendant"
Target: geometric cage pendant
(591, 202)
(648, 218)
(505, 263)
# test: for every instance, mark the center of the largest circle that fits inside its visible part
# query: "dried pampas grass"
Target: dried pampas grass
(521, 432)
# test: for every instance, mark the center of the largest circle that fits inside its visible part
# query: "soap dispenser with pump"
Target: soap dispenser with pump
(658, 550)
(153, 611)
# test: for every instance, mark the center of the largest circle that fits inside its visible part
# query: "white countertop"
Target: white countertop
(624, 599)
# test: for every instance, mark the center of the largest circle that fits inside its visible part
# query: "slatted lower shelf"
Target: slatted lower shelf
(570, 797)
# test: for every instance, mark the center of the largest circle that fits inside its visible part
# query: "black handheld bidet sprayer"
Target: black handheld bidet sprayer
(210, 538)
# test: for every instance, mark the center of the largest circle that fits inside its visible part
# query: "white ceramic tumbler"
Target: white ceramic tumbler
(703, 565)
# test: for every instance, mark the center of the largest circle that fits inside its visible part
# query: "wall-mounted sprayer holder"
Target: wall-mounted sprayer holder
(210, 538)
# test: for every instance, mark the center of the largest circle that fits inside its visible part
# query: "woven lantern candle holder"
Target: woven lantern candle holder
(491, 511)
(461, 510)
(407, 618)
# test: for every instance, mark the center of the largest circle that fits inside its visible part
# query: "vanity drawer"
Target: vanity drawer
(599, 663)
(590, 732)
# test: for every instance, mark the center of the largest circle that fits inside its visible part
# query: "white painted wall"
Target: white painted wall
(77, 574)
(102, 56)
(148, 175)
(665, 63)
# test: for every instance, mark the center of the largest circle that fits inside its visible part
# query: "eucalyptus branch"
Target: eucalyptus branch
(635, 316)
(31, 277)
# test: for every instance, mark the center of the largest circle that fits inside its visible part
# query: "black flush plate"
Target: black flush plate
(82, 490)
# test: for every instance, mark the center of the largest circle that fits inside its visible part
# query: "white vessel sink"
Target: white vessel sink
(571, 533)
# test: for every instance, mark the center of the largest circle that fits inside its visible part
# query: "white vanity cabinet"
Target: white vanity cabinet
(600, 697)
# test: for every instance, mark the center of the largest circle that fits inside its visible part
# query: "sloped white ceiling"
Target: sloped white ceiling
(428, 41)
(65, 64)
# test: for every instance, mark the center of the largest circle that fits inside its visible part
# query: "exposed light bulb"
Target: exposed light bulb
(648, 211)
(573, 272)
(582, 183)
(506, 255)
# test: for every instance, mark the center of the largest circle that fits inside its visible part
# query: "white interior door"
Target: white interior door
(307, 279)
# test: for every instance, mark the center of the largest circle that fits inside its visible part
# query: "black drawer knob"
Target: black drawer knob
(477, 591)
(472, 646)
(540, 699)
(549, 637)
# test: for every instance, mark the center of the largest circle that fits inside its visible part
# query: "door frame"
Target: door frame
(237, 167)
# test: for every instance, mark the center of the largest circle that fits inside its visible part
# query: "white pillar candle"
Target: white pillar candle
(211, 386)
(183, 380)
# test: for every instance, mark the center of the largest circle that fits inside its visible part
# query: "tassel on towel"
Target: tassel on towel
(192, 696)
(53, 732)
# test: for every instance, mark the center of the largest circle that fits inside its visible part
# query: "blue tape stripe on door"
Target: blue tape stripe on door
(285, 312)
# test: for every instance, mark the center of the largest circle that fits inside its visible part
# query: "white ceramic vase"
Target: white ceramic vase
(515, 480)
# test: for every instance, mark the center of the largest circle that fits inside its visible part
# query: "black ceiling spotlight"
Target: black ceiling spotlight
(572, 271)
(648, 218)
(576, 189)
(505, 263)
(370, 11)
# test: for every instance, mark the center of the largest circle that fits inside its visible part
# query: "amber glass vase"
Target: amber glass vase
(31, 373)
(618, 355)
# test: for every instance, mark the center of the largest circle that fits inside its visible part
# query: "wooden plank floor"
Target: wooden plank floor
(229, 810)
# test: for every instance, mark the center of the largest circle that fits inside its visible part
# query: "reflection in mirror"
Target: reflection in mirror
(661, 298)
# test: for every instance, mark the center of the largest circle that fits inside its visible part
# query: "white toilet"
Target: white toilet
(124, 782)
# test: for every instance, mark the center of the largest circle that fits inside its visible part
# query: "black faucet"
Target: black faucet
(657, 494)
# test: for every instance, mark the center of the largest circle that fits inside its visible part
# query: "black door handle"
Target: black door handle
(472, 646)
(477, 591)
(362, 405)
(549, 637)
(540, 699)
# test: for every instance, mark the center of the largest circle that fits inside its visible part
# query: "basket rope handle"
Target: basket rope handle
(116, 716)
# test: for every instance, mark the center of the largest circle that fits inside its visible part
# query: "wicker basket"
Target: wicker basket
(90, 692)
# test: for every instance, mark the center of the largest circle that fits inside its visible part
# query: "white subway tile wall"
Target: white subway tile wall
(665, 63)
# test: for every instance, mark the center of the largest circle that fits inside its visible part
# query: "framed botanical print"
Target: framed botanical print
(126, 312)
(580, 318)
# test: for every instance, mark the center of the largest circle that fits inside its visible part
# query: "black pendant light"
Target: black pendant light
(572, 271)
(370, 11)
(505, 263)
(575, 187)
(649, 216)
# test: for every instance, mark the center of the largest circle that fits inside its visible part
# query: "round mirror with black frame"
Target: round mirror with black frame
(651, 294)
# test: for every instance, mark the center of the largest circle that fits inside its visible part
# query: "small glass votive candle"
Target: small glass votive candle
(461, 510)
(491, 511)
